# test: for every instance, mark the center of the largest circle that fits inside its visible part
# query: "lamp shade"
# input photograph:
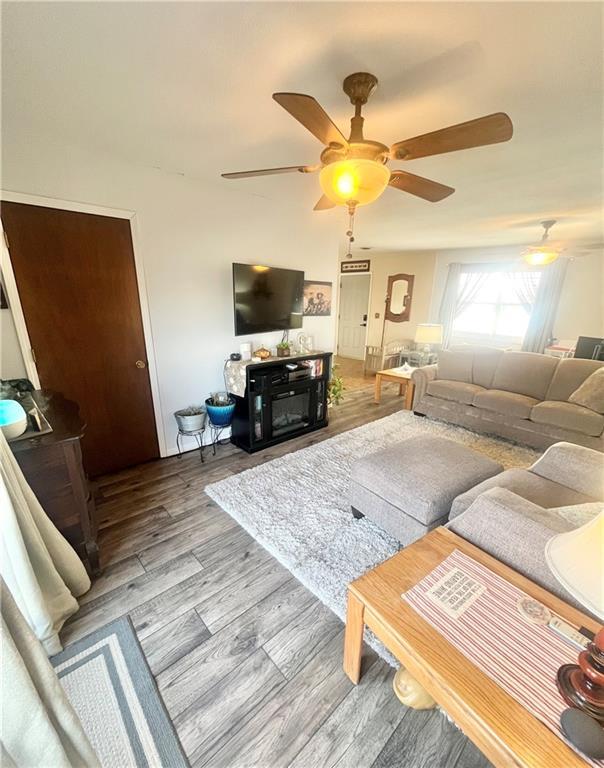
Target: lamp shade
(354, 181)
(576, 559)
(429, 333)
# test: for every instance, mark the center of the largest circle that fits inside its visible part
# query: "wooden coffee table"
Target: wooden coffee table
(500, 727)
(400, 377)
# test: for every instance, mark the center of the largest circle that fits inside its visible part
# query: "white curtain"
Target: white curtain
(446, 316)
(38, 724)
(40, 568)
(541, 323)
(462, 286)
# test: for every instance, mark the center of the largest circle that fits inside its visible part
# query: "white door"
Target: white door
(352, 321)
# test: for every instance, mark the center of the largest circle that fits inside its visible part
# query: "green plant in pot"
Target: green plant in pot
(335, 388)
(283, 349)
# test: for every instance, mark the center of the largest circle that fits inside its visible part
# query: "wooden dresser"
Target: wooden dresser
(52, 465)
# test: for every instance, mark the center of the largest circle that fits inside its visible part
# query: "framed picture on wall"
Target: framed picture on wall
(317, 298)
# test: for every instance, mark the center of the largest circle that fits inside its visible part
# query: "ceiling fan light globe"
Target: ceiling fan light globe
(540, 256)
(354, 181)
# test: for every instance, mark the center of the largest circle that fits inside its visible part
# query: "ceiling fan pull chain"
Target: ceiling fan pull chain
(350, 230)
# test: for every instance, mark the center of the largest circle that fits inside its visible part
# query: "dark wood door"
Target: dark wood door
(77, 283)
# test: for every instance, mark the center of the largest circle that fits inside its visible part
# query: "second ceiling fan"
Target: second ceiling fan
(353, 171)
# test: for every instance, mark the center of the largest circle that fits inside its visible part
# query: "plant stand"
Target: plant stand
(215, 436)
(197, 434)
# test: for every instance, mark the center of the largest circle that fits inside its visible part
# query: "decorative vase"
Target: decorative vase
(220, 415)
(283, 352)
(190, 422)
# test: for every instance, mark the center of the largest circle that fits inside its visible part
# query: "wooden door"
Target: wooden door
(77, 283)
(353, 309)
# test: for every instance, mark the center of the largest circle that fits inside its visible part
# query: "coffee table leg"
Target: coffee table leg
(353, 638)
(409, 394)
(378, 388)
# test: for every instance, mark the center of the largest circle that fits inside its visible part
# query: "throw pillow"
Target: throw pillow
(591, 393)
(455, 366)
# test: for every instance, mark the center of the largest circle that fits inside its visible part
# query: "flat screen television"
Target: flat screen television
(266, 298)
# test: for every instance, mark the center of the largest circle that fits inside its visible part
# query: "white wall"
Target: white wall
(189, 233)
(383, 264)
(581, 308)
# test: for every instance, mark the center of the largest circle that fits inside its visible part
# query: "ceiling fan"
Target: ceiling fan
(353, 171)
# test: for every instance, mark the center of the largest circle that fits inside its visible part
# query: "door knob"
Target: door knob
(140, 364)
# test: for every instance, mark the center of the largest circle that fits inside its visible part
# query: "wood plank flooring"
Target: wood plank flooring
(248, 661)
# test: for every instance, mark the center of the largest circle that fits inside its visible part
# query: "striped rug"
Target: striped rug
(111, 688)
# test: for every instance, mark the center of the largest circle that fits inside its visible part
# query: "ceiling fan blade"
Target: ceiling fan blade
(313, 117)
(491, 129)
(324, 204)
(418, 186)
(270, 171)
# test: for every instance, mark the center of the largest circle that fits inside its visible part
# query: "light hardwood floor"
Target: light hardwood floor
(248, 662)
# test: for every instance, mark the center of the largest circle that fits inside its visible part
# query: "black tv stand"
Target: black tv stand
(284, 398)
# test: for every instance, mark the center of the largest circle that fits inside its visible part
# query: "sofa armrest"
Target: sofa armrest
(574, 466)
(515, 531)
(421, 377)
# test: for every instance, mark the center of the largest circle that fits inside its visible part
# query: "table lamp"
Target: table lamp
(576, 559)
(427, 334)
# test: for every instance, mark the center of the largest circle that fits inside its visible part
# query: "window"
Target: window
(494, 305)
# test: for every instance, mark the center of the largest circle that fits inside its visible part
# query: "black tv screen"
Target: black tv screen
(266, 298)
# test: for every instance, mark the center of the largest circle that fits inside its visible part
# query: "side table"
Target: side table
(399, 376)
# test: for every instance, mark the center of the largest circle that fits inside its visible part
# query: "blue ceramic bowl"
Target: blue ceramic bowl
(220, 415)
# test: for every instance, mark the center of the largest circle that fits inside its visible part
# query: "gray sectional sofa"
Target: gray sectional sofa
(522, 396)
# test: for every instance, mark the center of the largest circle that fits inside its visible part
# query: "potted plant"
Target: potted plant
(220, 407)
(335, 388)
(191, 419)
(283, 349)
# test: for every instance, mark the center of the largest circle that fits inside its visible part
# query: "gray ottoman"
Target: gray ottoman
(408, 489)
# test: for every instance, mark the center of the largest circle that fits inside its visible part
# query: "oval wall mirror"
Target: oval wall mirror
(398, 299)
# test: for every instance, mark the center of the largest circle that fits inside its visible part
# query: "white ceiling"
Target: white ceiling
(187, 87)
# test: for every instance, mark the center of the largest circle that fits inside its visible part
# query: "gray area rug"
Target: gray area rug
(109, 684)
(297, 507)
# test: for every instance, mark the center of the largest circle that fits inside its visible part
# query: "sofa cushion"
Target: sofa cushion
(568, 416)
(538, 490)
(591, 393)
(455, 366)
(486, 360)
(515, 532)
(569, 375)
(526, 373)
(422, 475)
(507, 403)
(458, 391)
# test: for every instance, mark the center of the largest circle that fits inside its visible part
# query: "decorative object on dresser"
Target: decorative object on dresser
(275, 400)
(52, 465)
(13, 419)
(464, 671)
